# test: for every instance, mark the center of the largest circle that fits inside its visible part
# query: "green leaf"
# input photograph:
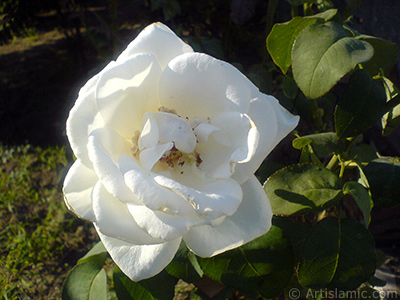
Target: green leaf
(385, 55)
(98, 253)
(361, 106)
(325, 15)
(392, 92)
(391, 120)
(290, 87)
(159, 287)
(295, 232)
(281, 39)
(264, 265)
(383, 175)
(363, 153)
(323, 143)
(302, 188)
(362, 198)
(324, 53)
(86, 281)
(184, 265)
(337, 254)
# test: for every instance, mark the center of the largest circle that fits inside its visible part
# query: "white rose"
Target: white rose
(167, 142)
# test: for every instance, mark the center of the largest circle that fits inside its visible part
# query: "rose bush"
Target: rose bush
(167, 142)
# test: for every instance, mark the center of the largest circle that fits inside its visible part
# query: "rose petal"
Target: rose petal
(149, 157)
(273, 122)
(159, 40)
(286, 121)
(198, 85)
(210, 199)
(149, 192)
(78, 185)
(105, 147)
(126, 91)
(158, 224)
(150, 132)
(215, 156)
(139, 261)
(251, 220)
(113, 218)
(175, 129)
(83, 118)
(241, 132)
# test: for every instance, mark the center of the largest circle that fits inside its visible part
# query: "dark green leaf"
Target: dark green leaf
(281, 39)
(264, 265)
(184, 265)
(362, 197)
(86, 281)
(337, 254)
(324, 53)
(322, 143)
(385, 55)
(361, 106)
(302, 188)
(290, 87)
(383, 175)
(295, 232)
(159, 287)
(363, 153)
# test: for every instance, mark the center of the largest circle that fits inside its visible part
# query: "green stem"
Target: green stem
(333, 162)
(342, 168)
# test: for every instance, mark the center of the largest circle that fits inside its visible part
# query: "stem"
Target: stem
(342, 168)
(333, 162)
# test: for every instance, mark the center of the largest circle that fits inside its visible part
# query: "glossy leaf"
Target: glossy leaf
(383, 175)
(159, 287)
(86, 281)
(281, 39)
(264, 265)
(302, 188)
(337, 254)
(362, 197)
(324, 53)
(385, 55)
(361, 106)
(323, 143)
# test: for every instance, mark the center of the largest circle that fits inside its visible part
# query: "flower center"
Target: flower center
(166, 142)
(175, 158)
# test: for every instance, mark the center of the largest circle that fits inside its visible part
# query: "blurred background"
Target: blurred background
(50, 48)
